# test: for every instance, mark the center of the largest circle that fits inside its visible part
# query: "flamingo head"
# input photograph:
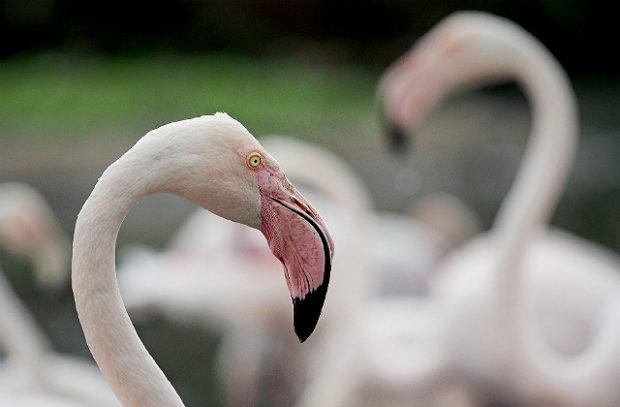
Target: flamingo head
(219, 165)
(29, 228)
(462, 50)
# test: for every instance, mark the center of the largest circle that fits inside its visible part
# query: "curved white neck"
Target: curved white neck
(528, 207)
(541, 178)
(130, 370)
(20, 336)
(543, 173)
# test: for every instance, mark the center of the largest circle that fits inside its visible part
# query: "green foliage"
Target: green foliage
(54, 96)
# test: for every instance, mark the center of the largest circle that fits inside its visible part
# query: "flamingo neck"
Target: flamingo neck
(23, 341)
(542, 174)
(129, 369)
(544, 170)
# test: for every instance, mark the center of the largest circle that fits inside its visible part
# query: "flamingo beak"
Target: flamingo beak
(297, 236)
(397, 137)
(409, 88)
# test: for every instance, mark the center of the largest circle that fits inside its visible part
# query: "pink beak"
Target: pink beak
(298, 238)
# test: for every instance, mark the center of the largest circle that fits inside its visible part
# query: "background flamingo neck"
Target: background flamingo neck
(554, 144)
(20, 336)
(544, 169)
(542, 175)
(131, 372)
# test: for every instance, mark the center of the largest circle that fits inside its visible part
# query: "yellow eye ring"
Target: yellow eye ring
(254, 160)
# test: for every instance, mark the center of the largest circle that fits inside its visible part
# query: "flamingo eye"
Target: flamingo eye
(254, 160)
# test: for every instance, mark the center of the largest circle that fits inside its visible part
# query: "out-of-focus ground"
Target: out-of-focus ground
(62, 121)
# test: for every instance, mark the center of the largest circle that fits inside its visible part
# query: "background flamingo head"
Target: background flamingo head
(215, 162)
(29, 228)
(462, 50)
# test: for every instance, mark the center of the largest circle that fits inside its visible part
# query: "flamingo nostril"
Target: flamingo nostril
(307, 209)
(301, 205)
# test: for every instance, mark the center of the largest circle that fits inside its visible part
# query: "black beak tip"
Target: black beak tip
(398, 139)
(307, 311)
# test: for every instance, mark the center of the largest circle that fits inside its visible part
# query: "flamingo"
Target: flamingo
(35, 400)
(398, 358)
(205, 238)
(243, 304)
(406, 248)
(375, 250)
(29, 228)
(150, 282)
(32, 373)
(445, 213)
(216, 163)
(502, 287)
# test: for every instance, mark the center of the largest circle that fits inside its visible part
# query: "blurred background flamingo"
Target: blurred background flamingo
(32, 372)
(499, 285)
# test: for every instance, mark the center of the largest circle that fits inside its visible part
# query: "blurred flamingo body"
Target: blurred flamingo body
(36, 400)
(398, 359)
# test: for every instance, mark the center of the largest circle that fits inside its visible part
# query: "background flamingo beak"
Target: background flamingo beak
(398, 139)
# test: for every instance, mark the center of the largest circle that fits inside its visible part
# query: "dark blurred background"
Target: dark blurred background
(369, 33)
